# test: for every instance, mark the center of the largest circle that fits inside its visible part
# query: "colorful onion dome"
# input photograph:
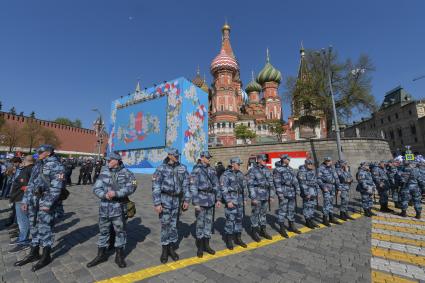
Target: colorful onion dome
(269, 73)
(253, 86)
(224, 62)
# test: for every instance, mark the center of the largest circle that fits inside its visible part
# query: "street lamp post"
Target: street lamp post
(99, 128)
(338, 137)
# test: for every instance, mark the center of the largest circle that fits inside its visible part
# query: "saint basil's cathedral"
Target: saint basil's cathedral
(256, 105)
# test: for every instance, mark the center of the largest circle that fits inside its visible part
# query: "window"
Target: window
(389, 118)
(259, 128)
(223, 125)
(382, 121)
(271, 115)
(249, 124)
(222, 107)
(413, 129)
(396, 115)
(218, 125)
(416, 139)
(410, 112)
(400, 133)
(391, 134)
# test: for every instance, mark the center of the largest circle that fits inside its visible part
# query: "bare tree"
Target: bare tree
(31, 133)
(49, 137)
(10, 136)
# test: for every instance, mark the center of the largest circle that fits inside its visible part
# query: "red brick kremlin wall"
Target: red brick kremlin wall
(71, 138)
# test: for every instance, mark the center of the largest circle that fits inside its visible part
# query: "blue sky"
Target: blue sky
(63, 58)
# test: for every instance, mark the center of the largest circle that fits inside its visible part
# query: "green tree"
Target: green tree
(244, 133)
(32, 115)
(12, 110)
(276, 127)
(68, 122)
(351, 83)
(31, 134)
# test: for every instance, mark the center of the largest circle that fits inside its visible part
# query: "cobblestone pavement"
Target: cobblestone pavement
(398, 253)
(340, 253)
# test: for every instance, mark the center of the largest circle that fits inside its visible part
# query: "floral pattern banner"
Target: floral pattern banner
(186, 125)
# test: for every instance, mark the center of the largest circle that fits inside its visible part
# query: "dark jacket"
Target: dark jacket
(20, 183)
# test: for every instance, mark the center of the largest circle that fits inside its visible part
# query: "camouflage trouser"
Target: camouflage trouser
(413, 193)
(345, 197)
(383, 195)
(328, 205)
(59, 211)
(367, 202)
(259, 211)
(309, 205)
(286, 209)
(168, 218)
(234, 218)
(42, 232)
(395, 193)
(204, 222)
(118, 223)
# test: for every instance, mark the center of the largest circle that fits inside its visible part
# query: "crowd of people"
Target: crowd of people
(37, 191)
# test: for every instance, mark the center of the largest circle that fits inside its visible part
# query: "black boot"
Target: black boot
(309, 224)
(418, 215)
(255, 236)
(200, 245)
(403, 213)
(264, 234)
(343, 216)
(207, 247)
(228, 240)
(32, 256)
(333, 220)
(119, 258)
(282, 231)
(292, 228)
(326, 221)
(314, 223)
(101, 257)
(44, 260)
(384, 208)
(238, 240)
(348, 216)
(172, 252)
(164, 254)
(367, 212)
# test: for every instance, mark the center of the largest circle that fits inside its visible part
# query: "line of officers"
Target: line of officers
(174, 189)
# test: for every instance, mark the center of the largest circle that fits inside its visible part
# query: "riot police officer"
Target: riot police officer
(345, 180)
(233, 186)
(114, 185)
(392, 169)
(365, 186)
(206, 194)
(40, 198)
(380, 178)
(328, 182)
(261, 190)
(170, 183)
(287, 187)
(411, 183)
(309, 189)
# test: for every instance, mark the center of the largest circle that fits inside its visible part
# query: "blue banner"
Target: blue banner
(142, 125)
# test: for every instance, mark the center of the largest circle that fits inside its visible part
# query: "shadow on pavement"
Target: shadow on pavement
(136, 233)
(66, 226)
(75, 237)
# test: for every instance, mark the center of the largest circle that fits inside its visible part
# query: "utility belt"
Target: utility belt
(171, 194)
(122, 200)
(207, 190)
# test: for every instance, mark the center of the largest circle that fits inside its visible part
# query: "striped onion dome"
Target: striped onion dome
(253, 86)
(269, 73)
(224, 62)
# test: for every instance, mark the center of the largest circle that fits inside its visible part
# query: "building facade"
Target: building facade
(231, 105)
(400, 120)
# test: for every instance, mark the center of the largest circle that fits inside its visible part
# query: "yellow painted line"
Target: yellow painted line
(156, 270)
(382, 277)
(398, 256)
(398, 240)
(399, 220)
(398, 229)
